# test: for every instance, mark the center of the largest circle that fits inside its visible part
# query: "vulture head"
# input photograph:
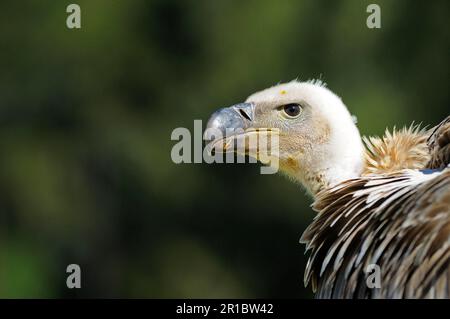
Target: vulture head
(319, 143)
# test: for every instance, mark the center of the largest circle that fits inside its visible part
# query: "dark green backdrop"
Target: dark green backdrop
(86, 117)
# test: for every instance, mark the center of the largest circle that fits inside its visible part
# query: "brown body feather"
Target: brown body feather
(394, 216)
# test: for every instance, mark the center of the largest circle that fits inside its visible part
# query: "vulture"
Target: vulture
(381, 201)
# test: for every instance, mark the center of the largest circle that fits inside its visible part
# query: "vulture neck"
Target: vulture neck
(339, 159)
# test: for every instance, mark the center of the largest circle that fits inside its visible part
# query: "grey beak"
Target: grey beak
(233, 118)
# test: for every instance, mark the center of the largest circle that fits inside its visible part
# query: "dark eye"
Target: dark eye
(292, 110)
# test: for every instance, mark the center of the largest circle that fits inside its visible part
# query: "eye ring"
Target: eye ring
(292, 110)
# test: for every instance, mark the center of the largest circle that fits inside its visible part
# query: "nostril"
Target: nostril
(244, 114)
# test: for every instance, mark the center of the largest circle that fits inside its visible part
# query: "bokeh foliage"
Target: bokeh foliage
(86, 117)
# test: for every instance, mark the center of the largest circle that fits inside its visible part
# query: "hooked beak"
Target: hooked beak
(227, 125)
(230, 120)
(235, 126)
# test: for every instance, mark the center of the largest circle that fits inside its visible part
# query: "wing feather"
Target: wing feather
(399, 221)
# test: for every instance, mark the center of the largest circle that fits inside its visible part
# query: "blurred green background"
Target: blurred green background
(86, 117)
